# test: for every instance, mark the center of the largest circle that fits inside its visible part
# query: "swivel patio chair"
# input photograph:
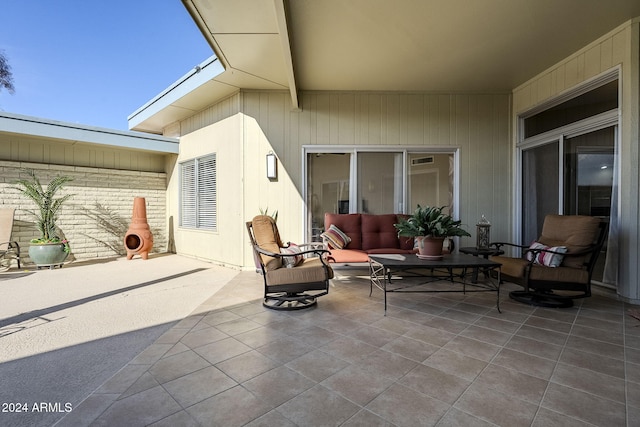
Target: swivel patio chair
(294, 275)
(557, 268)
(9, 250)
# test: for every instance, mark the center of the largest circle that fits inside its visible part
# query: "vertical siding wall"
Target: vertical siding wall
(20, 148)
(477, 124)
(600, 56)
(113, 189)
(620, 47)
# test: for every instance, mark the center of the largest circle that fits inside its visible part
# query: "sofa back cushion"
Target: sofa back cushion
(349, 224)
(576, 232)
(378, 231)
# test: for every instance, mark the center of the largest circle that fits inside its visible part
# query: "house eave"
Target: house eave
(70, 132)
(182, 98)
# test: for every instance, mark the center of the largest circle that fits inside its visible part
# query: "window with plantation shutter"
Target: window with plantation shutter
(198, 196)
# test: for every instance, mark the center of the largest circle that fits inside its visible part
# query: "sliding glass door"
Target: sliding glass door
(540, 188)
(379, 183)
(366, 180)
(568, 163)
(581, 184)
(589, 181)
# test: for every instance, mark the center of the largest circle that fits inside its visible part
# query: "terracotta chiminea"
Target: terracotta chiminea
(138, 240)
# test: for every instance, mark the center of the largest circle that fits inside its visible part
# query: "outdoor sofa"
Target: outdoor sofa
(365, 234)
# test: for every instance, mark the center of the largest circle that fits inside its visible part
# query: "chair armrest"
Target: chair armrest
(268, 253)
(11, 244)
(319, 252)
(498, 245)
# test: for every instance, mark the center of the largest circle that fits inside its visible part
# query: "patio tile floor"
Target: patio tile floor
(434, 360)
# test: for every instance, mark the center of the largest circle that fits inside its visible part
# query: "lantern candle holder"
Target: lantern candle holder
(483, 233)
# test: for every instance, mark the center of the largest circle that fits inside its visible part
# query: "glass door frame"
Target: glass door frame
(594, 123)
(353, 150)
(602, 121)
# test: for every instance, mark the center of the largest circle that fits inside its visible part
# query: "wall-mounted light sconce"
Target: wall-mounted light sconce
(272, 166)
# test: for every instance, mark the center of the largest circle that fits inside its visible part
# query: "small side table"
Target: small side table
(485, 253)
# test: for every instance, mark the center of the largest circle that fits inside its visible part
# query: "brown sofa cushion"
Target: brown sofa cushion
(391, 251)
(348, 256)
(378, 232)
(576, 232)
(350, 224)
(369, 233)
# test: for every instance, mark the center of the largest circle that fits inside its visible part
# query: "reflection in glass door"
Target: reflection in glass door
(375, 182)
(380, 183)
(430, 181)
(540, 193)
(328, 187)
(588, 176)
(585, 179)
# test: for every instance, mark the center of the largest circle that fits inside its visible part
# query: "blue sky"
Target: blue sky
(94, 62)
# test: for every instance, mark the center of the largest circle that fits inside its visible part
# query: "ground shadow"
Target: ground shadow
(42, 313)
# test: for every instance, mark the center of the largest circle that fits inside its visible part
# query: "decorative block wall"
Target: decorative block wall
(96, 218)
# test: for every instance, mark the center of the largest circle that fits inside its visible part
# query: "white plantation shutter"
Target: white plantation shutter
(188, 194)
(198, 195)
(207, 193)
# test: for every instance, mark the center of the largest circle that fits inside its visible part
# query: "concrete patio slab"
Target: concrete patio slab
(64, 332)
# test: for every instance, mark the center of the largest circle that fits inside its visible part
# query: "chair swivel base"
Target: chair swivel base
(289, 301)
(549, 299)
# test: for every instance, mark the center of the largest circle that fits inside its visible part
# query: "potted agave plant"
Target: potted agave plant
(430, 226)
(49, 250)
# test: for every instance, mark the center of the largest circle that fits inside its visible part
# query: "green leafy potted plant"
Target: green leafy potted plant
(430, 226)
(49, 249)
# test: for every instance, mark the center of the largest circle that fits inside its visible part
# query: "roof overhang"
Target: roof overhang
(81, 134)
(252, 51)
(452, 46)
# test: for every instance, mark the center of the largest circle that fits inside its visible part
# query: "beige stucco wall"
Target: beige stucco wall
(476, 124)
(620, 47)
(224, 138)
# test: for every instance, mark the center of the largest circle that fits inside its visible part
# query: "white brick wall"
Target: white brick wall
(113, 189)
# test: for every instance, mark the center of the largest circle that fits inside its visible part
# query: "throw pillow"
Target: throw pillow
(336, 237)
(547, 259)
(291, 261)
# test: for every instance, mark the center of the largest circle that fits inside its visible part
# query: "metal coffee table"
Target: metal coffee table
(455, 268)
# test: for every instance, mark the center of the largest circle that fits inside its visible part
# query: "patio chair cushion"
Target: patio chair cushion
(311, 270)
(267, 237)
(515, 267)
(576, 232)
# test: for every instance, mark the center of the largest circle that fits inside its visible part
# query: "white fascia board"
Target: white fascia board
(35, 126)
(200, 74)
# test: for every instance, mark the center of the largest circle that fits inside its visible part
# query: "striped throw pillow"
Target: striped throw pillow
(291, 261)
(336, 237)
(546, 258)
